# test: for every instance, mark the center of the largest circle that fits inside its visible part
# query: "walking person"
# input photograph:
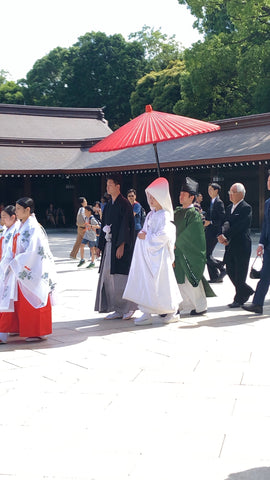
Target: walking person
(9, 219)
(80, 222)
(151, 282)
(138, 210)
(190, 253)
(90, 236)
(214, 219)
(236, 238)
(263, 250)
(116, 242)
(27, 278)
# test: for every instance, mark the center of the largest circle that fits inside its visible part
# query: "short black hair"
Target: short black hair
(215, 186)
(115, 178)
(131, 190)
(89, 208)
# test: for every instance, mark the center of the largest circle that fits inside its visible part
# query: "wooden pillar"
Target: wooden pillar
(134, 181)
(27, 187)
(102, 185)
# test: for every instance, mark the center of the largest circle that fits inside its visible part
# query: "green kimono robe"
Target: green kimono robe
(190, 251)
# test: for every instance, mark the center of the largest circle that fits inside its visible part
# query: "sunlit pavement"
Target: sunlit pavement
(105, 400)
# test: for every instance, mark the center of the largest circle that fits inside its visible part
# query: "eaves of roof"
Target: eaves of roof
(249, 144)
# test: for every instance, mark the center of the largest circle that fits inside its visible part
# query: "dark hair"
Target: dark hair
(215, 186)
(10, 210)
(89, 208)
(81, 200)
(26, 202)
(97, 202)
(114, 178)
(131, 190)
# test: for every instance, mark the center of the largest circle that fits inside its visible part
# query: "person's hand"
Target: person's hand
(260, 250)
(222, 240)
(206, 223)
(120, 251)
(141, 235)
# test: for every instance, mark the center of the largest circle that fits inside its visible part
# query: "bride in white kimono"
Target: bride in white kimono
(27, 278)
(151, 282)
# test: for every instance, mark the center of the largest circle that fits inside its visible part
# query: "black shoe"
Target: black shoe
(193, 312)
(253, 308)
(215, 280)
(234, 305)
(247, 297)
(222, 274)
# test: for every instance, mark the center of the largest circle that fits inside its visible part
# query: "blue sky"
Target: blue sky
(30, 29)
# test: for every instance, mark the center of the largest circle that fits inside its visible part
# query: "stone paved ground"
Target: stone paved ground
(105, 400)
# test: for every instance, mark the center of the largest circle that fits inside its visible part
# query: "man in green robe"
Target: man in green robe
(190, 253)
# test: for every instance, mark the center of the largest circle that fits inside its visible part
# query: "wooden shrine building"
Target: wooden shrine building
(44, 153)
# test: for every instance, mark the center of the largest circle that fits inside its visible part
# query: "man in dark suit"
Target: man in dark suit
(263, 249)
(236, 238)
(214, 219)
(116, 242)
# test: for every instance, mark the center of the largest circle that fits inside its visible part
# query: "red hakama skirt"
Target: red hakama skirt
(27, 320)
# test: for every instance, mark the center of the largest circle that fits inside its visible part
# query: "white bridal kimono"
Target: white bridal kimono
(151, 282)
(30, 265)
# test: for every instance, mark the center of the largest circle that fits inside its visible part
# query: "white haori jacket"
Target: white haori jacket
(28, 262)
(6, 238)
(151, 281)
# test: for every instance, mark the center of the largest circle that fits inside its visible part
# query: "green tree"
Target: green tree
(254, 72)
(248, 18)
(159, 49)
(210, 87)
(98, 71)
(228, 74)
(10, 92)
(105, 71)
(160, 89)
(46, 83)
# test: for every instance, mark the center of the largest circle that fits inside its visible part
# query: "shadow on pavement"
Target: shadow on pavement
(224, 321)
(75, 332)
(261, 473)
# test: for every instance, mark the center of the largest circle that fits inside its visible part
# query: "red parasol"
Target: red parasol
(152, 127)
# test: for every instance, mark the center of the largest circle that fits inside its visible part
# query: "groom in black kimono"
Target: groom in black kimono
(116, 242)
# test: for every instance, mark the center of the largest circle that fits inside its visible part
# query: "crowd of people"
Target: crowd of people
(154, 263)
(172, 249)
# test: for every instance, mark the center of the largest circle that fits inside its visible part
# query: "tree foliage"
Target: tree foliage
(226, 75)
(46, 82)
(98, 71)
(10, 92)
(159, 49)
(248, 18)
(160, 89)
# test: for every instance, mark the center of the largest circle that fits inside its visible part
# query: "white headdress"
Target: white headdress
(159, 189)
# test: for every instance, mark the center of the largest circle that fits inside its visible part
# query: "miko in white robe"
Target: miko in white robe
(151, 281)
(27, 280)
(6, 236)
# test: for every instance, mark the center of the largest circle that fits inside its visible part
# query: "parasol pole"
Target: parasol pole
(157, 159)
